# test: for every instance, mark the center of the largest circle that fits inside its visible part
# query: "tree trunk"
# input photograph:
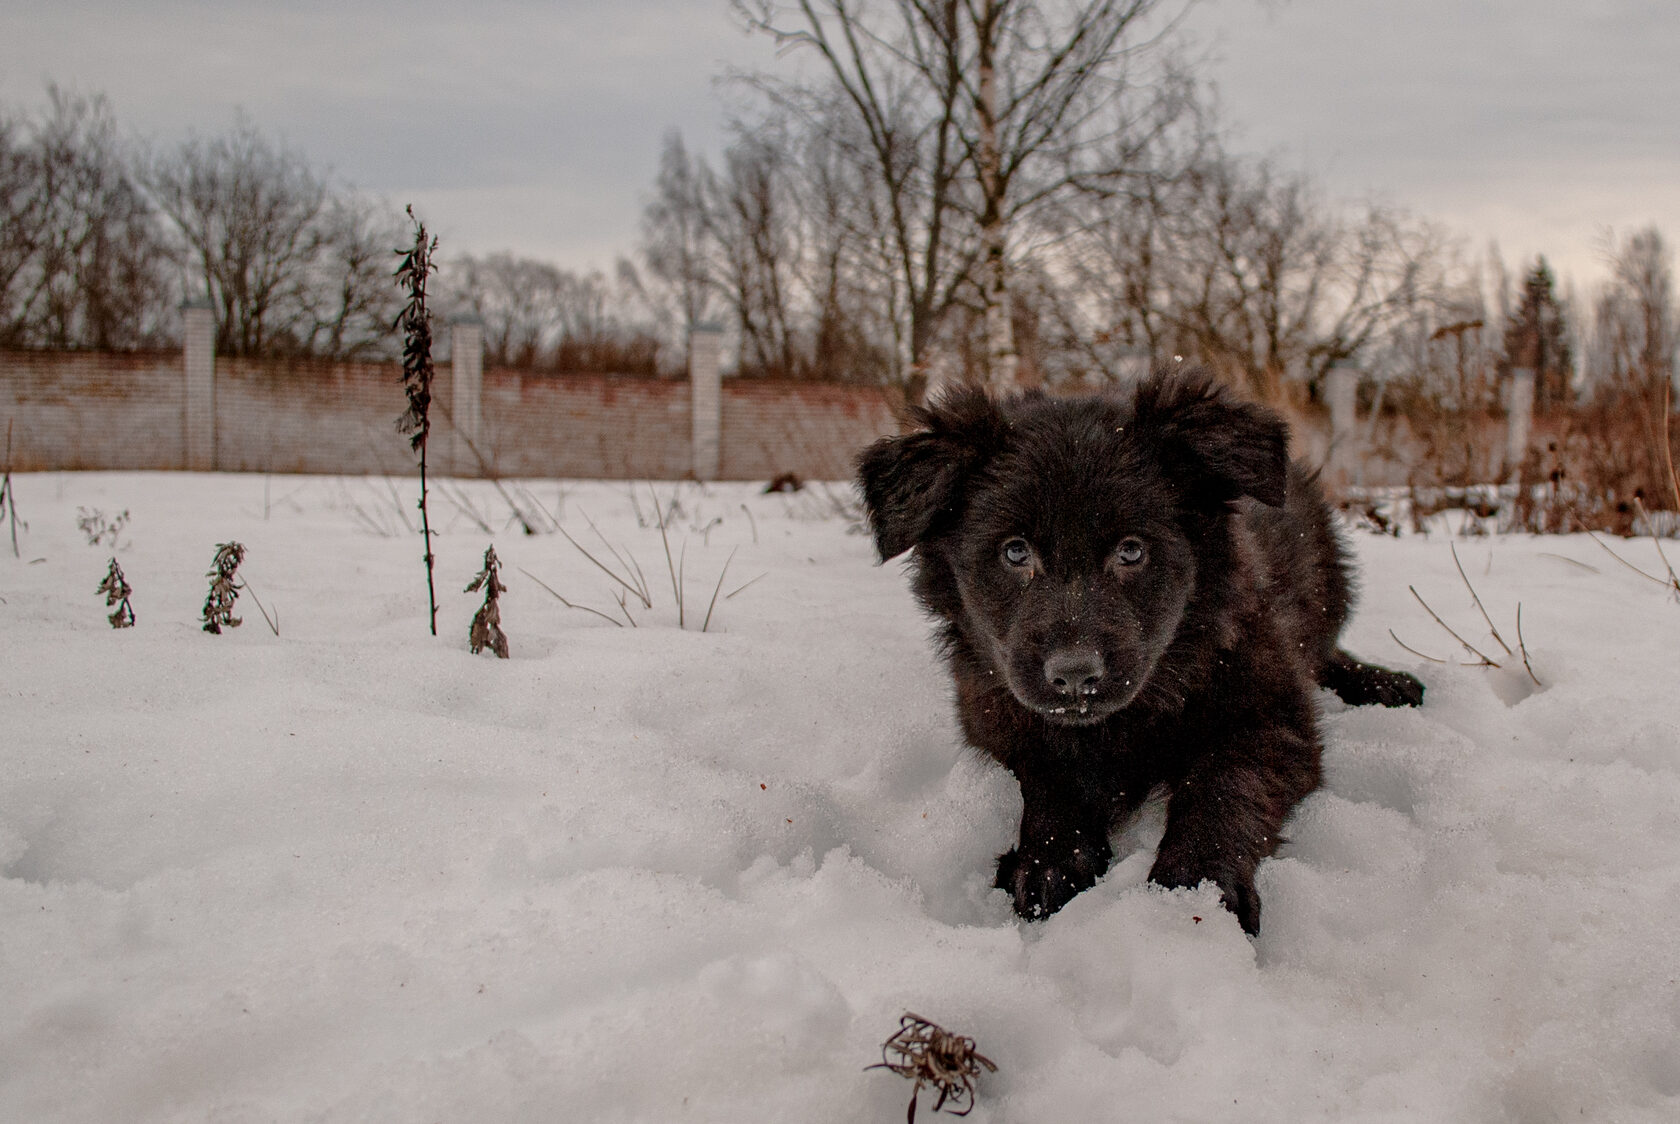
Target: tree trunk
(1001, 360)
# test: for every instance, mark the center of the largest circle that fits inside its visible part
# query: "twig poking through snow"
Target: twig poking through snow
(1524, 647)
(1478, 601)
(1412, 650)
(1468, 647)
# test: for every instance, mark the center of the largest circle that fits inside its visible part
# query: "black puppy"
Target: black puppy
(1133, 590)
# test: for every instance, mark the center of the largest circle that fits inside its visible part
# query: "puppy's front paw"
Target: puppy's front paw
(1236, 887)
(1043, 880)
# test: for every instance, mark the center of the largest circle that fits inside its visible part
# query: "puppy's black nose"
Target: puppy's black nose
(1074, 671)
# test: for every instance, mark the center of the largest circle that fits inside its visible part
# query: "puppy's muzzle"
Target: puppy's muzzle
(1074, 673)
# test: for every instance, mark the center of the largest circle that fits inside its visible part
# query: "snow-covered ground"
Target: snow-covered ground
(354, 873)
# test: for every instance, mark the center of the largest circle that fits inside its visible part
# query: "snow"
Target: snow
(354, 873)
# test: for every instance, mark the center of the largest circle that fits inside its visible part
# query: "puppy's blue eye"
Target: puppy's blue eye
(1130, 552)
(1016, 552)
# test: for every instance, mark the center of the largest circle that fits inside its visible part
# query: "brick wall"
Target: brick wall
(84, 410)
(93, 410)
(813, 429)
(592, 426)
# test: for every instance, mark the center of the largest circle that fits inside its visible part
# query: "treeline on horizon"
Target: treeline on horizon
(891, 241)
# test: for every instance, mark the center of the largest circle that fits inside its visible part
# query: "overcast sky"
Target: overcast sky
(536, 126)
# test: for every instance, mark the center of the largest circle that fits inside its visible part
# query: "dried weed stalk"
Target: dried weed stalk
(486, 630)
(224, 590)
(928, 1054)
(416, 322)
(116, 589)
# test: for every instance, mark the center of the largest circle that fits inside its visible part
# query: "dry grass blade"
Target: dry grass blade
(640, 595)
(928, 1054)
(1468, 647)
(676, 588)
(1571, 561)
(1497, 638)
(632, 567)
(1524, 648)
(739, 588)
(569, 604)
(707, 623)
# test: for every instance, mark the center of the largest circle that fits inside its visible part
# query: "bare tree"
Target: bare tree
(1636, 325)
(81, 262)
(249, 215)
(974, 114)
(674, 280)
(345, 302)
(516, 299)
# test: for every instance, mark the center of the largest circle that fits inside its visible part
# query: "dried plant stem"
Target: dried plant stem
(117, 591)
(707, 623)
(676, 589)
(273, 624)
(1656, 540)
(1524, 647)
(1478, 601)
(486, 628)
(570, 604)
(627, 560)
(1624, 561)
(1468, 647)
(489, 472)
(739, 588)
(416, 322)
(1412, 650)
(640, 594)
(463, 504)
(753, 523)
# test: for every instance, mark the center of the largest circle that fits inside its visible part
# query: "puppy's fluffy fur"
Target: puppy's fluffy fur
(1133, 590)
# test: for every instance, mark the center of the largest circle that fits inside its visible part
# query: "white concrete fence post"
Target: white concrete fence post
(1519, 417)
(1341, 393)
(466, 404)
(705, 382)
(198, 413)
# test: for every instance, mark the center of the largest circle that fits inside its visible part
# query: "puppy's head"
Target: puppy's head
(1073, 531)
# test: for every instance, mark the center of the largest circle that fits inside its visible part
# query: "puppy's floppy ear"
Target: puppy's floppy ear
(1228, 448)
(912, 485)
